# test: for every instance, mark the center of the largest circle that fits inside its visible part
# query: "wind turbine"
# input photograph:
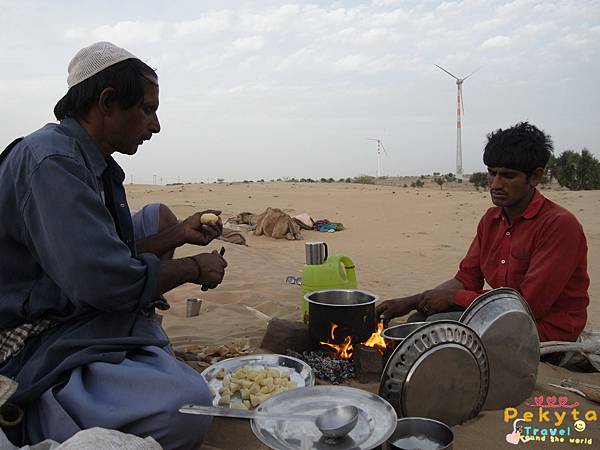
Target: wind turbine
(379, 148)
(459, 106)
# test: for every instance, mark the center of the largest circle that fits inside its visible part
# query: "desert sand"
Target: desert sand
(402, 240)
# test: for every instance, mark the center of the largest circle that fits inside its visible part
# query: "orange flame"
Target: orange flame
(344, 351)
(376, 340)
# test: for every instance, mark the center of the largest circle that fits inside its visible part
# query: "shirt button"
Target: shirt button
(508, 233)
(122, 205)
(503, 261)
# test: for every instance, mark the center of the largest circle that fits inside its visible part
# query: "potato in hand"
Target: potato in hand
(209, 218)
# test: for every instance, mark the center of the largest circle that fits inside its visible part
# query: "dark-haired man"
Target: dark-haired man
(78, 330)
(525, 242)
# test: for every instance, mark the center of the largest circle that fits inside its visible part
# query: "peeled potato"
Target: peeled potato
(208, 218)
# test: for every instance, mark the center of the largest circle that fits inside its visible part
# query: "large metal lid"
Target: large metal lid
(503, 321)
(439, 371)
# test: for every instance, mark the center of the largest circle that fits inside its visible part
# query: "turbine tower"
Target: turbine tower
(379, 148)
(459, 106)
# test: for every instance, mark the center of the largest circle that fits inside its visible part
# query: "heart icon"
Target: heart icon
(551, 401)
(513, 438)
(539, 401)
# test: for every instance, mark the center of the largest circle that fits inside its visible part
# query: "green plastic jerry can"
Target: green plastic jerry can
(334, 272)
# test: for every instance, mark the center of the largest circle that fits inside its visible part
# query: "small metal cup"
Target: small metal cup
(316, 252)
(193, 307)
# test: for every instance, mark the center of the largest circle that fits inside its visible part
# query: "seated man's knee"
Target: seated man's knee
(166, 218)
(185, 431)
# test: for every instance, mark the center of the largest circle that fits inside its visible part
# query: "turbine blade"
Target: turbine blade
(462, 105)
(476, 70)
(452, 75)
(384, 150)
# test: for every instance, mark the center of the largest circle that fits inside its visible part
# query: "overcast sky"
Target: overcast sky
(268, 89)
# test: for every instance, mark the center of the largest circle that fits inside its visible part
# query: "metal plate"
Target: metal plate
(376, 420)
(439, 371)
(300, 372)
(503, 321)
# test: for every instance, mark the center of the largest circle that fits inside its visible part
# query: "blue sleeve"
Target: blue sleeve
(72, 236)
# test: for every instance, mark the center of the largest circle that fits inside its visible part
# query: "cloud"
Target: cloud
(250, 43)
(350, 63)
(121, 33)
(497, 42)
(211, 22)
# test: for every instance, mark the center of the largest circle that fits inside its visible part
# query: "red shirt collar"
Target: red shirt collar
(534, 207)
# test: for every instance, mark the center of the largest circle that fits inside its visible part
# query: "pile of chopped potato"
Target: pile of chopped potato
(253, 385)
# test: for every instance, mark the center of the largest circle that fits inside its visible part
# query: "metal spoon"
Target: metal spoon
(333, 422)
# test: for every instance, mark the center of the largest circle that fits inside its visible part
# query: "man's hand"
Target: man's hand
(396, 307)
(436, 300)
(211, 269)
(197, 233)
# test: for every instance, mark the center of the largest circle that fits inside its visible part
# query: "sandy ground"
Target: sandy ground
(402, 240)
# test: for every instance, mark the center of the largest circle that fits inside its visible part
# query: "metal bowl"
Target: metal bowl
(420, 433)
(396, 334)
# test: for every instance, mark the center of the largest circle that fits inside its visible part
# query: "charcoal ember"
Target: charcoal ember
(325, 367)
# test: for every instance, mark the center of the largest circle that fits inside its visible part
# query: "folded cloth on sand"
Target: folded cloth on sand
(232, 236)
(325, 225)
(583, 353)
(304, 221)
(92, 439)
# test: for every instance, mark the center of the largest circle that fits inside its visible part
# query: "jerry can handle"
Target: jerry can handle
(349, 268)
(326, 251)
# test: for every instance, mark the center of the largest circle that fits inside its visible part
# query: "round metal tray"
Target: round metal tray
(439, 371)
(300, 372)
(503, 321)
(376, 420)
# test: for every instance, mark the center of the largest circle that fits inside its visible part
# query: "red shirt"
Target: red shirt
(543, 255)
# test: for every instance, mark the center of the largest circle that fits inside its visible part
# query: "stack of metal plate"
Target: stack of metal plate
(439, 371)
(449, 371)
(503, 321)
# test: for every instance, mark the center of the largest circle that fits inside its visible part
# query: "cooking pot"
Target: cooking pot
(335, 314)
(395, 335)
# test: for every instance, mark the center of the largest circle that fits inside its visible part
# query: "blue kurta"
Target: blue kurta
(64, 257)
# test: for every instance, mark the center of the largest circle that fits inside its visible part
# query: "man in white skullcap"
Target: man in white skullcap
(78, 329)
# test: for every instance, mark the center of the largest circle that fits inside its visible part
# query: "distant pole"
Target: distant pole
(154, 179)
(131, 178)
(161, 181)
(459, 167)
(378, 158)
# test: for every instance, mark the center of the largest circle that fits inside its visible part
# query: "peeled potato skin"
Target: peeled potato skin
(208, 218)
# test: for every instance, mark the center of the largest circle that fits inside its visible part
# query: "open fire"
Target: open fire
(345, 349)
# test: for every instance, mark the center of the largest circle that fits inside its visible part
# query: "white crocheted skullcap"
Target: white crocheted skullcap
(93, 59)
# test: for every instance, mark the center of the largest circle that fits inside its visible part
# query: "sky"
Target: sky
(273, 89)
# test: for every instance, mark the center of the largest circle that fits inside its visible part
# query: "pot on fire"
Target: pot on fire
(337, 314)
